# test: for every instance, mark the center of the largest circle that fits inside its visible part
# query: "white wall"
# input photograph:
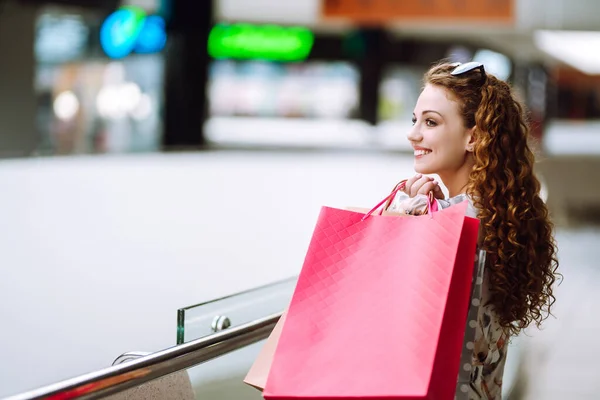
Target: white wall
(98, 253)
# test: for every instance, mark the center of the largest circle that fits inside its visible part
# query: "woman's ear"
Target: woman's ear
(470, 140)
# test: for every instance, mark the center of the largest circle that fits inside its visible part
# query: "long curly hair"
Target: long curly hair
(515, 229)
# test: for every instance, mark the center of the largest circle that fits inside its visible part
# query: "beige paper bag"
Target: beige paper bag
(257, 376)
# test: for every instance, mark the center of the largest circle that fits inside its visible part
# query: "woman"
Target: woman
(470, 131)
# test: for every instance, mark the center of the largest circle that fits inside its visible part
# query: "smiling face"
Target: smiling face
(441, 142)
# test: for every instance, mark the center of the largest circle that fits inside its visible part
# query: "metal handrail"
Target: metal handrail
(120, 377)
(130, 355)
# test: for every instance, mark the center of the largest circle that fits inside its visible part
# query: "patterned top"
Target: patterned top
(485, 343)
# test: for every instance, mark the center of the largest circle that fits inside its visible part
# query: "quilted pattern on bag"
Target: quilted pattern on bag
(367, 313)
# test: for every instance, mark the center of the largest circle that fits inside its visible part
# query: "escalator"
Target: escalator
(217, 342)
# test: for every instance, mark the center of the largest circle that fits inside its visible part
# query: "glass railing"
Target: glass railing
(204, 319)
(228, 332)
(222, 378)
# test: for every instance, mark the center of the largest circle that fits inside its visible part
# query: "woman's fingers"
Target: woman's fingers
(434, 187)
(418, 185)
(410, 182)
(427, 187)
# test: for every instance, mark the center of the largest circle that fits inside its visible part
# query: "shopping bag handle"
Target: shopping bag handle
(431, 203)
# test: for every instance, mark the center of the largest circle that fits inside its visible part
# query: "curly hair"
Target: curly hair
(516, 231)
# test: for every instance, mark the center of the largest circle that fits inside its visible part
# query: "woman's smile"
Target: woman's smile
(421, 151)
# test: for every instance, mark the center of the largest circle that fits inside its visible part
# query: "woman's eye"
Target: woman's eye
(430, 123)
(414, 121)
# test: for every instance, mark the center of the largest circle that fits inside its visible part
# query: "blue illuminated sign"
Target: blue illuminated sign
(129, 30)
(153, 36)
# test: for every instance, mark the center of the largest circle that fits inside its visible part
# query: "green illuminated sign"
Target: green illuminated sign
(267, 42)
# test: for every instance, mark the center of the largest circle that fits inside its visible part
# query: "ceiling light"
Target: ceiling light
(579, 49)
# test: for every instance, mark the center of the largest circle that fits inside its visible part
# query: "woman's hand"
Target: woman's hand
(421, 184)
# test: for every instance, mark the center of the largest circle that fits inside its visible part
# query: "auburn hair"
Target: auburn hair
(516, 231)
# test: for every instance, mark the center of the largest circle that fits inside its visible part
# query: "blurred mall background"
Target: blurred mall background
(156, 154)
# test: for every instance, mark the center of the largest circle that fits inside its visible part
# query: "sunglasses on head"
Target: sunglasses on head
(468, 67)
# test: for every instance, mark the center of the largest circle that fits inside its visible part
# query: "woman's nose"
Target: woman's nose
(414, 134)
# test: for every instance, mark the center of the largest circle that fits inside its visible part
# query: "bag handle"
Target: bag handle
(431, 203)
(399, 186)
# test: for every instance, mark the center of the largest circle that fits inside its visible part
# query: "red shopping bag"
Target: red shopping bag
(380, 308)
